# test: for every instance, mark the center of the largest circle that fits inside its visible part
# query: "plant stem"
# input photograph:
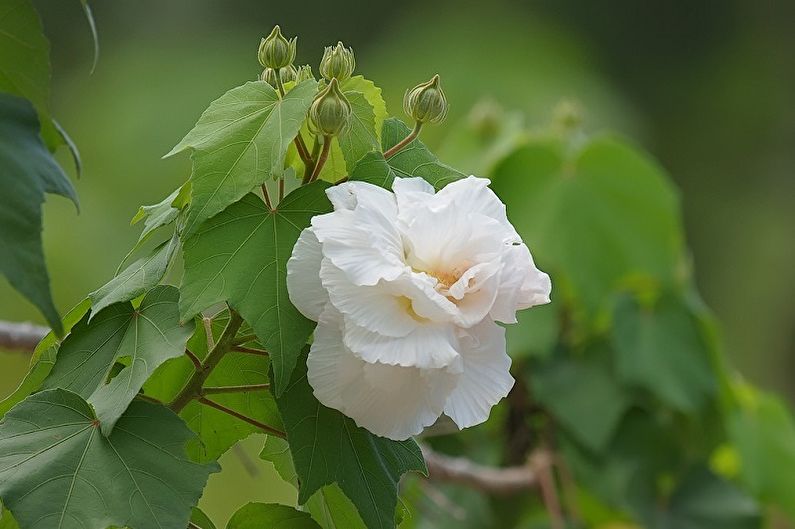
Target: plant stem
(405, 141)
(266, 196)
(194, 385)
(321, 160)
(249, 350)
(234, 389)
(147, 398)
(281, 189)
(193, 358)
(243, 339)
(262, 426)
(303, 152)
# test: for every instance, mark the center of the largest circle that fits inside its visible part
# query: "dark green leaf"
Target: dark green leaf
(270, 516)
(148, 336)
(57, 471)
(27, 172)
(137, 278)
(201, 520)
(373, 168)
(662, 349)
(24, 54)
(239, 142)
(415, 159)
(328, 447)
(240, 257)
(596, 215)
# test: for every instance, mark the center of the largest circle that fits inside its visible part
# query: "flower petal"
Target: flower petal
(473, 194)
(303, 276)
(486, 378)
(523, 286)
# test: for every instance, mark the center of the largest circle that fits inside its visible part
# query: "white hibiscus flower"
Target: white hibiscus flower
(406, 288)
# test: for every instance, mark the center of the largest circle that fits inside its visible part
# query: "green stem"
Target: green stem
(193, 387)
(244, 339)
(212, 390)
(303, 152)
(405, 141)
(229, 411)
(321, 161)
(249, 350)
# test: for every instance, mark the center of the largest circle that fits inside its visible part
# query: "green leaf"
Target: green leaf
(94, 37)
(374, 169)
(328, 447)
(43, 359)
(137, 278)
(373, 94)
(218, 431)
(595, 215)
(572, 389)
(328, 505)
(58, 472)
(270, 516)
(7, 520)
(763, 432)
(157, 215)
(535, 333)
(27, 172)
(240, 256)
(24, 54)
(239, 142)
(415, 159)
(148, 335)
(663, 350)
(201, 520)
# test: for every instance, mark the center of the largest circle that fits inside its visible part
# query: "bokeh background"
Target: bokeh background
(707, 87)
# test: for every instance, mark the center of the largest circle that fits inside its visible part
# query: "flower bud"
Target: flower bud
(330, 111)
(337, 63)
(426, 102)
(275, 51)
(287, 73)
(304, 73)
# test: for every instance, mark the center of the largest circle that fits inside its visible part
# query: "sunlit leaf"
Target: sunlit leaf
(271, 516)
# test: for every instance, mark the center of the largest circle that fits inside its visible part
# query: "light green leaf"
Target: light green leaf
(373, 94)
(24, 55)
(240, 256)
(572, 389)
(239, 142)
(7, 520)
(328, 447)
(137, 278)
(93, 27)
(201, 520)
(663, 350)
(374, 169)
(595, 215)
(329, 506)
(57, 471)
(270, 516)
(27, 172)
(415, 159)
(148, 336)
(157, 215)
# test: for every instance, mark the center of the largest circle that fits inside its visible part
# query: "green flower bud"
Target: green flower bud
(304, 73)
(337, 63)
(275, 51)
(330, 111)
(287, 74)
(426, 102)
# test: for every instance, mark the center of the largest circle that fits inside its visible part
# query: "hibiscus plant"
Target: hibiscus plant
(360, 302)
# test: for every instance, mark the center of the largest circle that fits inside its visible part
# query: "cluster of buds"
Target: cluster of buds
(338, 63)
(286, 74)
(426, 102)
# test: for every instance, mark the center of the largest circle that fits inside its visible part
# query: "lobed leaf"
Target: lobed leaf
(272, 516)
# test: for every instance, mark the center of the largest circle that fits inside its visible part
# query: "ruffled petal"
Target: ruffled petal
(391, 401)
(303, 276)
(486, 378)
(473, 194)
(523, 285)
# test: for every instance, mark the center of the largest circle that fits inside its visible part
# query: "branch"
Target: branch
(261, 425)
(23, 337)
(492, 480)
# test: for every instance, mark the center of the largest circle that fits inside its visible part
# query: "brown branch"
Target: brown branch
(212, 390)
(22, 337)
(492, 480)
(249, 350)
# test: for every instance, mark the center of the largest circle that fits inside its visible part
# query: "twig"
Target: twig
(266, 196)
(193, 358)
(208, 332)
(507, 480)
(249, 350)
(244, 339)
(542, 462)
(405, 141)
(321, 161)
(147, 398)
(23, 337)
(234, 389)
(261, 425)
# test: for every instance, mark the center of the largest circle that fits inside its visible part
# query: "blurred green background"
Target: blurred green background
(707, 87)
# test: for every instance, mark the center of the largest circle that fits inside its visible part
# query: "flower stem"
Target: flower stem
(194, 385)
(321, 160)
(405, 141)
(261, 425)
(212, 390)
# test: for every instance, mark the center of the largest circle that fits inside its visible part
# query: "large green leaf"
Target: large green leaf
(373, 95)
(270, 516)
(328, 447)
(239, 142)
(24, 54)
(43, 359)
(147, 335)
(218, 431)
(596, 215)
(137, 278)
(415, 159)
(57, 471)
(328, 505)
(663, 349)
(27, 172)
(240, 256)
(374, 169)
